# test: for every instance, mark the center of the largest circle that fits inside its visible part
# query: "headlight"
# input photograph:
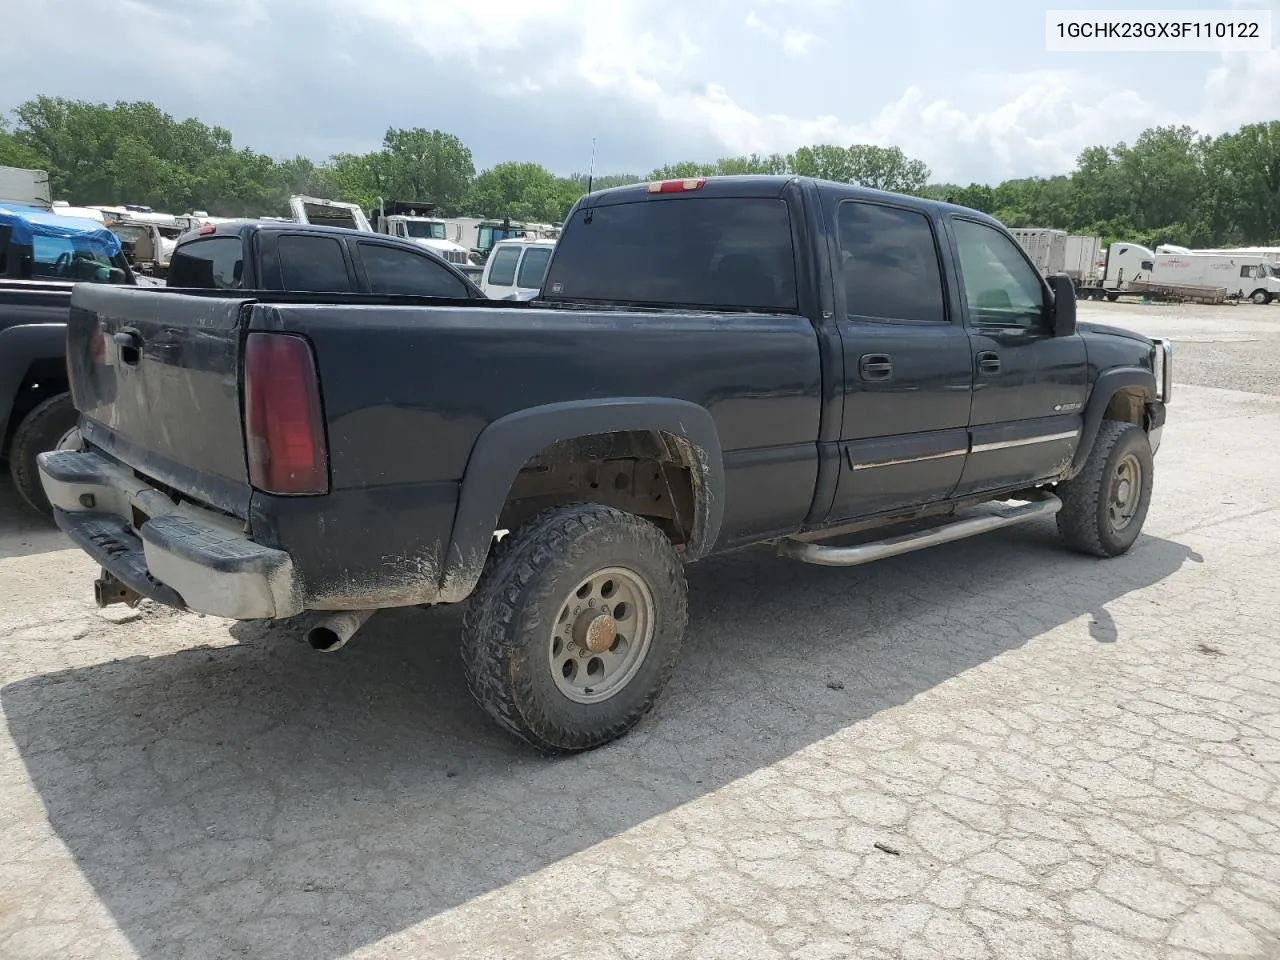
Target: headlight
(1162, 367)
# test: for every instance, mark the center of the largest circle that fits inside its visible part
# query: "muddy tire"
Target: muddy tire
(44, 428)
(575, 626)
(1105, 505)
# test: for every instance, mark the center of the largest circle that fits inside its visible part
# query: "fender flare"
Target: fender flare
(505, 445)
(20, 347)
(1107, 386)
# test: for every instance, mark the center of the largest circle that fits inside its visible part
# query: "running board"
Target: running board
(1003, 516)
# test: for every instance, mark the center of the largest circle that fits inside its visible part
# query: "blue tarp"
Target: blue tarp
(26, 223)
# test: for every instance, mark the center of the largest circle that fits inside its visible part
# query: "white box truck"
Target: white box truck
(1084, 254)
(27, 187)
(1245, 276)
(1047, 248)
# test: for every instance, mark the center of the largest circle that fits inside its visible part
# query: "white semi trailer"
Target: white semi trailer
(29, 188)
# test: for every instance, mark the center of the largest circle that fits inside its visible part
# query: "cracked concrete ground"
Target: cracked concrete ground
(994, 749)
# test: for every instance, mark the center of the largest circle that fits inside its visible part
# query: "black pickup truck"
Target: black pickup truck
(41, 256)
(711, 364)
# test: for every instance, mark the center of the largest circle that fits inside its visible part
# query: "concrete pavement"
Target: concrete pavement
(994, 749)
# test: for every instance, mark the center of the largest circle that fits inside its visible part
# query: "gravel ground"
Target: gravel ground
(1234, 347)
(994, 749)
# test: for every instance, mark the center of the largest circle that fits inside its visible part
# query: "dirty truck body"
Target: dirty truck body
(711, 364)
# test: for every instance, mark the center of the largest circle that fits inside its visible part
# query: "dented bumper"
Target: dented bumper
(174, 553)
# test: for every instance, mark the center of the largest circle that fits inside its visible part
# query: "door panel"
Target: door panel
(908, 376)
(1029, 386)
(880, 469)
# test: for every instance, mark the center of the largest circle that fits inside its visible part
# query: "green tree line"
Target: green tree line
(1171, 185)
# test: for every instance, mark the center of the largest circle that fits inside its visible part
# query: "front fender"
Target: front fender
(1108, 384)
(505, 445)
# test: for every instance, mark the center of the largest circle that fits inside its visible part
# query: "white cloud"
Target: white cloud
(794, 43)
(1244, 87)
(659, 83)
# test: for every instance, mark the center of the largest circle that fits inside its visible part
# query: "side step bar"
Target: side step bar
(1003, 516)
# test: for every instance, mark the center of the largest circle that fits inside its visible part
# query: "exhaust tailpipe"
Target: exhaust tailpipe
(333, 632)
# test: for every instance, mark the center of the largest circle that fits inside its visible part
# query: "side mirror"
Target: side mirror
(1062, 312)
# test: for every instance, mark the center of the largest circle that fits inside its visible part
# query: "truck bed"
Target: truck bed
(408, 388)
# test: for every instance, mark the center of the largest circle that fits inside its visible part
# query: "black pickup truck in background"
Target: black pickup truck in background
(36, 411)
(284, 256)
(711, 364)
(36, 277)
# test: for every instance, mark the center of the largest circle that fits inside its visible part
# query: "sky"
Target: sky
(965, 85)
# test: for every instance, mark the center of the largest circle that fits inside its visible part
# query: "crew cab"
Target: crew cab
(711, 363)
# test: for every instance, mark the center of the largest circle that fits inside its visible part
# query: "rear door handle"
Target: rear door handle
(876, 366)
(988, 363)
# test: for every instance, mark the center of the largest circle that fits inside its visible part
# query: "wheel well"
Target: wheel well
(648, 473)
(43, 379)
(1127, 404)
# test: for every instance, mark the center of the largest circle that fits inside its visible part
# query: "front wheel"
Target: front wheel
(1260, 297)
(575, 626)
(1105, 505)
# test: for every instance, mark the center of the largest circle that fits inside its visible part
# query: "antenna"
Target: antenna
(591, 171)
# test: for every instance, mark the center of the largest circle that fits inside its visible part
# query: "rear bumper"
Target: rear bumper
(176, 554)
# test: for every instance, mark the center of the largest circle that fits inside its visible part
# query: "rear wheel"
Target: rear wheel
(1260, 297)
(50, 426)
(1105, 505)
(575, 626)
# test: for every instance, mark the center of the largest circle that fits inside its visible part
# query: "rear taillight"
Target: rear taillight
(283, 425)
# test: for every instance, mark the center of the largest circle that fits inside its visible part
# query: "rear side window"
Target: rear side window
(503, 271)
(533, 267)
(213, 264)
(726, 253)
(313, 265)
(401, 273)
(889, 263)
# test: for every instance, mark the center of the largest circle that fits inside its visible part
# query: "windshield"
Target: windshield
(86, 259)
(425, 230)
(128, 233)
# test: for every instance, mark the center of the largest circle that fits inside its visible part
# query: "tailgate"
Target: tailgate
(156, 374)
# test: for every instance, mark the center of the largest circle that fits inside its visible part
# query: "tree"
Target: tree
(521, 191)
(1243, 175)
(886, 168)
(824, 161)
(1170, 185)
(428, 165)
(15, 154)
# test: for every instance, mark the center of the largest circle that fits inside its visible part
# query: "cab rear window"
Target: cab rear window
(216, 263)
(729, 253)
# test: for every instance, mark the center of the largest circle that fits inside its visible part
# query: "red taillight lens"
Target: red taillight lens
(207, 229)
(677, 186)
(283, 425)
